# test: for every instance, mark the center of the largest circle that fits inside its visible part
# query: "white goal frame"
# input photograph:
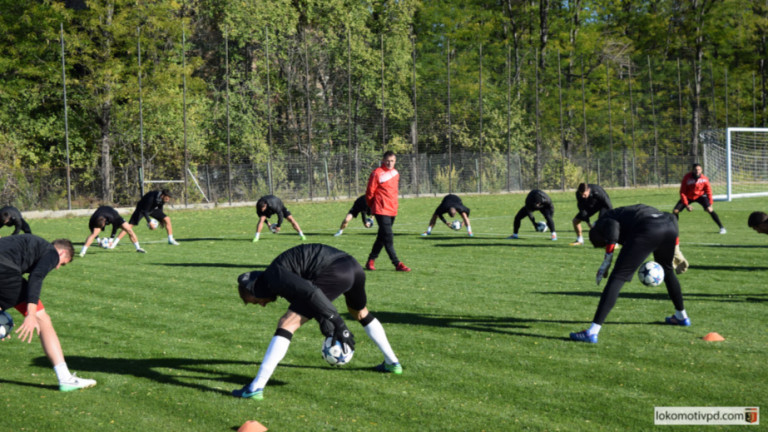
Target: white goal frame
(736, 163)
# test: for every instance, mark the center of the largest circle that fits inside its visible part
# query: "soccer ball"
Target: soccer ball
(273, 228)
(334, 353)
(6, 324)
(456, 225)
(104, 242)
(370, 222)
(651, 274)
(152, 224)
(541, 226)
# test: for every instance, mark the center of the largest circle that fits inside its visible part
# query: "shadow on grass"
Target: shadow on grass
(728, 268)
(733, 246)
(182, 372)
(509, 244)
(221, 265)
(662, 295)
(488, 324)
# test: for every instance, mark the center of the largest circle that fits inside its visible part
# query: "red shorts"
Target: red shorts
(22, 307)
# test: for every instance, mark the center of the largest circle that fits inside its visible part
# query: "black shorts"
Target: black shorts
(702, 200)
(136, 216)
(12, 287)
(345, 277)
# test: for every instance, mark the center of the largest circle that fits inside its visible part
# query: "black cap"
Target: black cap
(247, 281)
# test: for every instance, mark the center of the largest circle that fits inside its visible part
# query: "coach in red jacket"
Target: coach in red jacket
(695, 187)
(381, 196)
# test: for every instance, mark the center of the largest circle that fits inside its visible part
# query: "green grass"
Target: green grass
(480, 325)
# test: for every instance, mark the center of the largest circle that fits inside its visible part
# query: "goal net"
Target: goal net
(736, 162)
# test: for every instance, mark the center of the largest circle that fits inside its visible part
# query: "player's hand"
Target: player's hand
(336, 329)
(26, 330)
(604, 267)
(689, 208)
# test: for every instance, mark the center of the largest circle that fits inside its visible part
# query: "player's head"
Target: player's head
(696, 170)
(583, 190)
(249, 293)
(389, 159)
(602, 230)
(261, 205)
(758, 221)
(452, 211)
(165, 194)
(5, 217)
(101, 222)
(65, 249)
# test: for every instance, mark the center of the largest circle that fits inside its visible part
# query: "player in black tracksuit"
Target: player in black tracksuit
(310, 277)
(11, 216)
(452, 205)
(537, 200)
(590, 199)
(269, 205)
(103, 216)
(360, 207)
(30, 254)
(641, 230)
(151, 206)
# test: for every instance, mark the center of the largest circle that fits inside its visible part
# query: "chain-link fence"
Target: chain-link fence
(339, 176)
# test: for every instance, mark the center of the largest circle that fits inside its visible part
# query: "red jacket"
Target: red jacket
(381, 193)
(691, 188)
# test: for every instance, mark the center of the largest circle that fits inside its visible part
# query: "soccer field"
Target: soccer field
(480, 325)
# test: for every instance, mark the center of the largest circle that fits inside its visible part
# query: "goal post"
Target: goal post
(736, 162)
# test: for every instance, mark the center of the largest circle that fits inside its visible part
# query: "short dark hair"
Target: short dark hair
(5, 217)
(582, 188)
(66, 245)
(166, 192)
(101, 222)
(695, 164)
(387, 154)
(757, 218)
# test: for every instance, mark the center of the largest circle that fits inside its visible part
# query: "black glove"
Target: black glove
(335, 328)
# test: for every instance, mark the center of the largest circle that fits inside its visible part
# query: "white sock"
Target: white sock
(277, 349)
(469, 228)
(579, 239)
(301, 234)
(82, 251)
(594, 329)
(170, 237)
(376, 332)
(429, 230)
(681, 315)
(340, 231)
(62, 372)
(137, 245)
(257, 236)
(115, 242)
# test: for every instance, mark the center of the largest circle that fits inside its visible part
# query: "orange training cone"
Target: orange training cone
(252, 426)
(713, 337)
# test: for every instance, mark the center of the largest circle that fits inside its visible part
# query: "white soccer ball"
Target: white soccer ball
(541, 226)
(6, 324)
(273, 228)
(152, 224)
(370, 222)
(334, 353)
(456, 225)
(651, 274)
(104, 242)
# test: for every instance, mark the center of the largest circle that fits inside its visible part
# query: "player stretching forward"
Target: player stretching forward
(269, 205)
(310, 277)
(32, 255)
(359, 207)
(103, 216)
(451, 204)
(536, 200)
(151, 204)
(695, 187)
(590, 199)
(641, 230)
(11, 216)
